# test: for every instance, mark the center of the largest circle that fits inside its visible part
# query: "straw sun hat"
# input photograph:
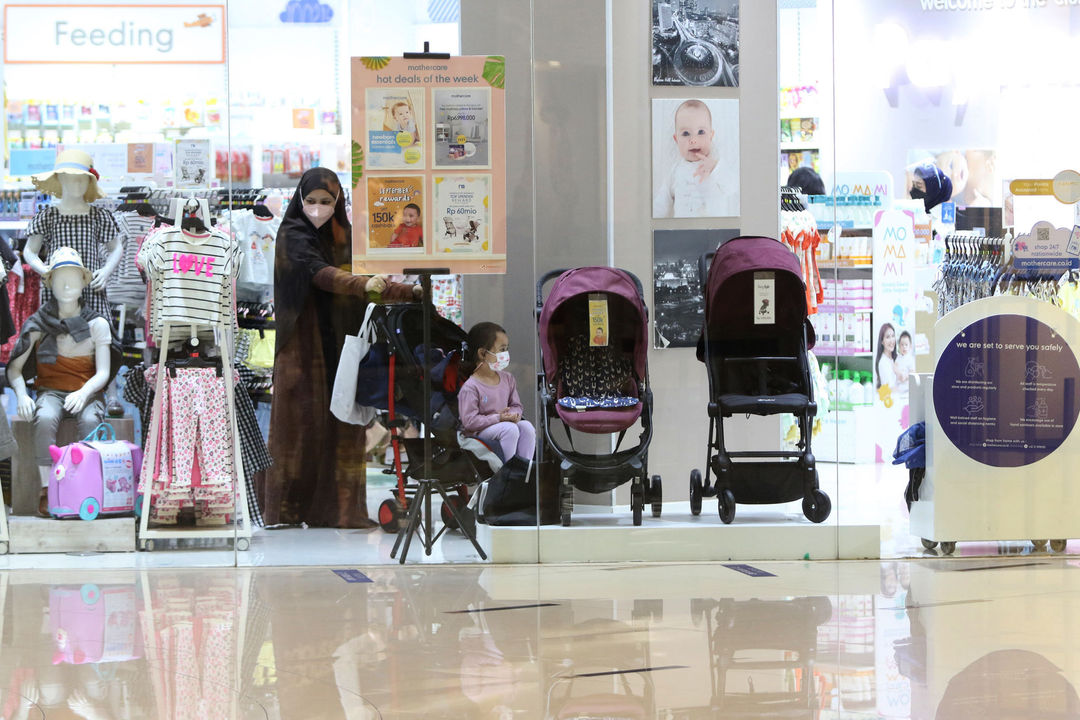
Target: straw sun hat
(66, 257)
(70, 162)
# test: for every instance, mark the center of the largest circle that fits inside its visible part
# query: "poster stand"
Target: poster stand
(1000, 466)
(428, 484)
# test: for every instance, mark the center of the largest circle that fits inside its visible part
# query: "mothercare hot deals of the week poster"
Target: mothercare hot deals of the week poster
(429, 164)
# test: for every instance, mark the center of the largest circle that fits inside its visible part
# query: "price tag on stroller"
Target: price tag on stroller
(764, 298)
(598, 320)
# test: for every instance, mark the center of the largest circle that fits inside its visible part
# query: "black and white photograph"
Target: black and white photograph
(696, 42)
(679, 305)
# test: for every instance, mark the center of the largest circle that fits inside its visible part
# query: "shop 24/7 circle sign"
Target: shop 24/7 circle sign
(1007, 390)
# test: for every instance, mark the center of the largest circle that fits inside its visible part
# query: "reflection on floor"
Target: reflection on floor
(932, 638)
(863, 495)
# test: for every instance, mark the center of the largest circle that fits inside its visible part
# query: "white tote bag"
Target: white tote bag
(343, 399)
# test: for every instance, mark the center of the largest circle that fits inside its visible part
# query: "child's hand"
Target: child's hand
(507, 416)
(705, 167)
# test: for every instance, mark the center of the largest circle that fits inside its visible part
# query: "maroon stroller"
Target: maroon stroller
(594, 332)
(754, 346)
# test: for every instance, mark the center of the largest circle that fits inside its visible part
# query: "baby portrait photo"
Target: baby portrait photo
(695, 158)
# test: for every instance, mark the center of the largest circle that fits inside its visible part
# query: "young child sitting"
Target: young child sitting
(488, 403)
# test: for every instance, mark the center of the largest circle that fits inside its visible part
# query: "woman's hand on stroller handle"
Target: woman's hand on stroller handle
(376, 284)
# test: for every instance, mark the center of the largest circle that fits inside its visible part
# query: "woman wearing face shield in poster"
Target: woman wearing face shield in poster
(319, 475)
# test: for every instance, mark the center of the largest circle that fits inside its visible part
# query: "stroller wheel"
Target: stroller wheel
(637, 502)
(1058, 545)
(447, 516)
(816, 506)
(390, 516)
(726, 505)
(696, 492)
(656, 496)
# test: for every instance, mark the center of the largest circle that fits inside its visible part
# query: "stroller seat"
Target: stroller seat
(764, 404)
(600, 420)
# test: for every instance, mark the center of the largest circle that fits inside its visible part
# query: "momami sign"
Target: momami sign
(114, 34)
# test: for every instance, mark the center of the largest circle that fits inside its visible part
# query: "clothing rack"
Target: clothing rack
(792, 199)
(972, 269)
(241, 532)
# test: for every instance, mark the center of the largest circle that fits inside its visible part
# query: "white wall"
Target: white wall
(679, 381)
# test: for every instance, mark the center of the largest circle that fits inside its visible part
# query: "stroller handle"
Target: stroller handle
(703, 269)
(544, 280)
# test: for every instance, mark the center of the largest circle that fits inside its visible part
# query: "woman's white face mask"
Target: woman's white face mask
(318, 213)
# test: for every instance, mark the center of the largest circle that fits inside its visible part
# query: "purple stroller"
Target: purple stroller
(595, 380)
(755, 347)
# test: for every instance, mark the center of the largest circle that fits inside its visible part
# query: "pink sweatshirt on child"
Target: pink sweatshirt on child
(479, 404)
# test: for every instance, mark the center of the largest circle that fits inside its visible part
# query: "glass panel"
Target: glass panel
(140, 93)
(960, 133)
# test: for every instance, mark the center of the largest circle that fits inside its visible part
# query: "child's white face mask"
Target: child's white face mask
(502, 360)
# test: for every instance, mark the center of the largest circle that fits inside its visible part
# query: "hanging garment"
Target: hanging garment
(24, 301)
(194, 448)
(126, 285)
(253, 451)
(191, 275)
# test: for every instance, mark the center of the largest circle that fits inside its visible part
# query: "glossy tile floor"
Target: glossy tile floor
(931, 638)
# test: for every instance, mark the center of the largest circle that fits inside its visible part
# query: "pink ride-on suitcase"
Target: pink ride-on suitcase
(94, 477)
(93, 624)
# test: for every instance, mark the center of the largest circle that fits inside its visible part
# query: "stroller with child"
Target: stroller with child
(755, 346)
(594, 333)
(392, 378)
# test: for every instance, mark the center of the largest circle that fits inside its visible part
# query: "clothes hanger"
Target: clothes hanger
(191, 220)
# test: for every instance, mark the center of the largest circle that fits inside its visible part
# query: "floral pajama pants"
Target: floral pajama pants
(195, 451)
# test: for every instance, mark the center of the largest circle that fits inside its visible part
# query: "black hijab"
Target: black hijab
(302, 250)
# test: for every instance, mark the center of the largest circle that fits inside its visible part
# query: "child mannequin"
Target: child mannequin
(488, 403)
(68, 348)
(73, 222)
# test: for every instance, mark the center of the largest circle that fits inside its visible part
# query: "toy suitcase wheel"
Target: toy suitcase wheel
(1058, 545)
(816, 506)
(726, 505)
(90, 594)
(390, 516)
(89, 509)
(1039, 544)
(656, 496)
(697, 491)
(948, 547)
(148, 545)
(929, 544)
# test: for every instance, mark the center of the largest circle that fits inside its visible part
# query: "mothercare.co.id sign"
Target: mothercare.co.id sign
(114, 34)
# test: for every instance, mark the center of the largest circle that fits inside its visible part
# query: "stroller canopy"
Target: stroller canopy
(573, 284)
(729, 296)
